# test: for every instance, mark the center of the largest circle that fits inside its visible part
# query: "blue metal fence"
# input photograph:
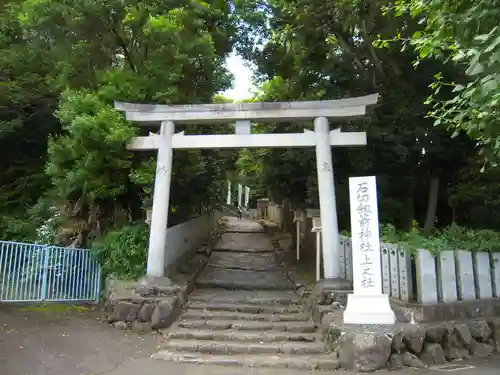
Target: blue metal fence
(32, 272)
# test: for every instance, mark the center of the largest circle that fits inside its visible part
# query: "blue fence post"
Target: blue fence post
(45, 272)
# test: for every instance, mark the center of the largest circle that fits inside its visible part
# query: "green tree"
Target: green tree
(463, 33)
(324, 50)
(94, 53)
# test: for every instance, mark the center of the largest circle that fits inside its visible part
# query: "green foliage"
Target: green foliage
(123, 252)
(320, 50)
(466, 34)
(17, 229)
(63, 64)
(453, 237)
(88, 160)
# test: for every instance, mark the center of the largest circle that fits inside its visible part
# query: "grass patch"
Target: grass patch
(49, 308)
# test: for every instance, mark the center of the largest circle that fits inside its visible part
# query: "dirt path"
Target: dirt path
(61, 340)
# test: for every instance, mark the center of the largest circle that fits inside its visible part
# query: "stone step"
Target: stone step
(229, 315)
(244, 308)
(304, 362)
(257, 297)
(234, 279)
(243, 336)
(255, 262)
(220, 325)
(236, 347)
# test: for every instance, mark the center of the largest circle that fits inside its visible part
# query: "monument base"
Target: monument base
(368, 309)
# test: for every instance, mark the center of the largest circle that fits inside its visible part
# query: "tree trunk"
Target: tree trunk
(431, 205)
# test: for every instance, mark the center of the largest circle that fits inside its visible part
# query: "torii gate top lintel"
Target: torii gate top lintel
(340, 109)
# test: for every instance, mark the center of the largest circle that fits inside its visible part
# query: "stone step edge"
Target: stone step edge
(243, 251)
(230, 286)
(238, 325)
(238, 347)
(233, 315)
(310, 362)
(195, 300)
(242, 336)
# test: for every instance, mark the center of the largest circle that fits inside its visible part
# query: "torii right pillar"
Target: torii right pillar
(328, 209)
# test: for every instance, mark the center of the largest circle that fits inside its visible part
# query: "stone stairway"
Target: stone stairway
(245, 311)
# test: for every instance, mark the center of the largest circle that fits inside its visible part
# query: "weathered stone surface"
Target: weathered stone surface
(454, 347)
(156, 291)
(125, 311)
(242, 336)
(121, 325)
(397, 344)
(411, 360)
(146, 312)
(494, 325)
(463, 334)
(229, 315)
(396, 361)
(364, 352)
(436, 332)
(479, 330)
(244, 242)
(432, 354)
(243, 279)
(140, 327)
(328, 328)
(244, 261)
(320, 362)
(164, 313)
(480, 349)
(257, 298)
(234, 225)
(414, 337)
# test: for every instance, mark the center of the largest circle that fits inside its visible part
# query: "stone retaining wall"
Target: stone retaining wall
(155, 303)
(369, 348)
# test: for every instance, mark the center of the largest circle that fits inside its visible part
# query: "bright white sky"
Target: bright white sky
(242, 79)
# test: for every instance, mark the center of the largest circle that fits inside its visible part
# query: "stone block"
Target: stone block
(411, 360)
(426, 277)
(480, 349)
(165, 313)
(386, 269)
(124, 311)
(414, 338)
(446, 276)
(432, 354)
(480, 330)
(482, 275)
(405, 275)
(146, 312)
(495, 273)
(394, 270)
(494, 324)
(364, 351)
(465, 275)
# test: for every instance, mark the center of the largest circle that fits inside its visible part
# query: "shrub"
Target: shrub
(123, 252)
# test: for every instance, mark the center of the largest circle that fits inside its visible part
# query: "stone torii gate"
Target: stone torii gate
(322, 138)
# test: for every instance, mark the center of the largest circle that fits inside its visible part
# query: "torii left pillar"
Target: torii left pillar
(161, 197)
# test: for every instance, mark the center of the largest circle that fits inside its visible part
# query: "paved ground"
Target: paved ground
(53, 342)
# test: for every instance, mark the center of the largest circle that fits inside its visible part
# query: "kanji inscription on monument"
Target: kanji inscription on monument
(365, 236)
